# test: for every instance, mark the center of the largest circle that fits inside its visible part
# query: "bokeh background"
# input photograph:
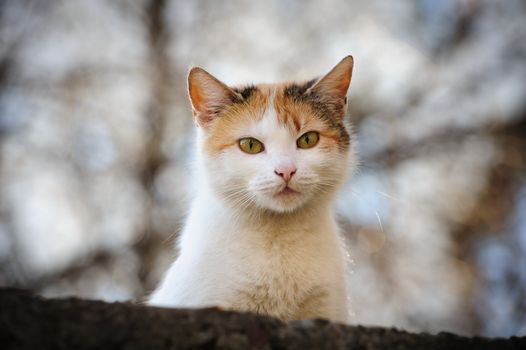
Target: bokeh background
(96, 136)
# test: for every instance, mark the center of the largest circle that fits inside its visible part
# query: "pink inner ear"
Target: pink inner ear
(196, 98)
(207, 94)
(344, 83)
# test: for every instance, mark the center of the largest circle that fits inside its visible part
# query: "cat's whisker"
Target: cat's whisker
(262, 186)
(235, 191)
(267, 189)
(308, 177)
(169, 238)
(237, 201)
(325, 184)
(379, 221)
(244, 199)
(328, 182)
(389, 196)
(320, 189)
(232, 195)
(356, 194)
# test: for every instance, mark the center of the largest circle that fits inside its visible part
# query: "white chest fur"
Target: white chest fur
(289, 266)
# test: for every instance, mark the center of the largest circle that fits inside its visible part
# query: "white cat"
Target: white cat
(261, 235)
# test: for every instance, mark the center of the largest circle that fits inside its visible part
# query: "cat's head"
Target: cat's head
(274, 147)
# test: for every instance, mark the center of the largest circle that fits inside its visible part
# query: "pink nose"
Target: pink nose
(285, 170)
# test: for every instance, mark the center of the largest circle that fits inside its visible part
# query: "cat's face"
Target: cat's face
(275, 147)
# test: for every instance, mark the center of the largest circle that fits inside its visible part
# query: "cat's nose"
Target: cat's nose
(285, 171)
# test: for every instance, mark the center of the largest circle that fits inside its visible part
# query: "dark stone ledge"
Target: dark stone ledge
(31, 322)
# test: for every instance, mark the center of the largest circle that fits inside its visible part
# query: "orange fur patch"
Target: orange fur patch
(293, 115)
(236, 117)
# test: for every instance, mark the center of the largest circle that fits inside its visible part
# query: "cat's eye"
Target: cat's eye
(250, 145)
(308, 140)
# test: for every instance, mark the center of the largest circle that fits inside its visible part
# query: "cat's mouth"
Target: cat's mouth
(286, 191)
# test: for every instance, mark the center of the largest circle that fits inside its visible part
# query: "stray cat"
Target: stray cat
(261, 235)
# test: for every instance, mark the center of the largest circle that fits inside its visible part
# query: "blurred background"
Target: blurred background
(96, 134)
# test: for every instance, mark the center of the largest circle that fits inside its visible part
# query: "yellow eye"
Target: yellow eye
(250, 145)
(308, 140)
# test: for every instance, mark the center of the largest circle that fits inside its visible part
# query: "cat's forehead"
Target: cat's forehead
(274, 104)
(290, 89)
(266, 108)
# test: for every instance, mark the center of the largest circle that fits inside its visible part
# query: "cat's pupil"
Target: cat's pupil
(307, 139)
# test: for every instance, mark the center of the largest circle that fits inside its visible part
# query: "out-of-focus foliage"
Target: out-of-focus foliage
(96, 144)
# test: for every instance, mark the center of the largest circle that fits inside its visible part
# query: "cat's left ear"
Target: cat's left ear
(208, 95)
(334, 85)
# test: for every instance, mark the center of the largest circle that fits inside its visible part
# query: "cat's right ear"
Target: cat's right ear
(208, 95)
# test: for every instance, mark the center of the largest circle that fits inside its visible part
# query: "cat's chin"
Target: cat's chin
(286, 201)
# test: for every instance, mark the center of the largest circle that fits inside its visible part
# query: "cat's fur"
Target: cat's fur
(246, 244)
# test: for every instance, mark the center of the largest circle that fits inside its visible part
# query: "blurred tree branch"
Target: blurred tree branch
(161, 72)
(400, 151)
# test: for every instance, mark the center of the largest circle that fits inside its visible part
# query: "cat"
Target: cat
(261, 235)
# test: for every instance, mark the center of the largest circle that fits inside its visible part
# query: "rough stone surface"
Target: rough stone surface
(32, 322)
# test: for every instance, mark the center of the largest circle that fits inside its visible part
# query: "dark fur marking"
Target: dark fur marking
(297, 90)
(246, 91)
